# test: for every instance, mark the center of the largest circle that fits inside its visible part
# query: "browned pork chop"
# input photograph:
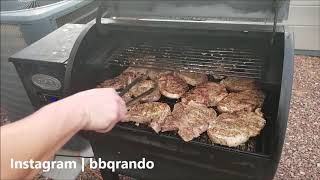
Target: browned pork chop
(234, 129)
(152, 112)
(191, 120)
(124, 79)
(172, 86)
(144, 86)
(208, 94)
(235, 84)
(154, 74)
(193, 78)
(119, 82)
(247, 100)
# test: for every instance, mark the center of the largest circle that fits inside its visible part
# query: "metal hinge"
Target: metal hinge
(275, 10)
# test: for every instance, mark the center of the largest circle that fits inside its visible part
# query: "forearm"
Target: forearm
(40, 135)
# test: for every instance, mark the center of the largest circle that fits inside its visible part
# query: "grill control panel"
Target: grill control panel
(48, 98)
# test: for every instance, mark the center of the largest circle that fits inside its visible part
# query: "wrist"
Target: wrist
(68, 113)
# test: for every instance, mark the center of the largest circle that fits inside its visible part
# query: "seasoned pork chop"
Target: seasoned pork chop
(239, 84)
(208, 94)
(154, 74)
(119, 82)
(191, 120)
(193, 78)
(137, 71)
(233, 129)
(247, 100)
(144, 86)
(152, 112)
(172, 86)
(124, 79)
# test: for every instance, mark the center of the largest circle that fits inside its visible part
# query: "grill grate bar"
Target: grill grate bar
(186, 60)
(179, 56)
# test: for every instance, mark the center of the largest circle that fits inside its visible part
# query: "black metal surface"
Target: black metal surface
(55, 47)
(197, 159)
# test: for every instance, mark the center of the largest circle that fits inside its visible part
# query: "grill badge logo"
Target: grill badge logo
(46, 82)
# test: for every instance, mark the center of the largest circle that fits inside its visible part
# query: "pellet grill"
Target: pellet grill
(243, 38)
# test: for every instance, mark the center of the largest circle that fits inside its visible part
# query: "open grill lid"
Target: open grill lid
(197, 10)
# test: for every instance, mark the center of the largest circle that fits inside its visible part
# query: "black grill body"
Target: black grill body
(104, 49)
(109, 55)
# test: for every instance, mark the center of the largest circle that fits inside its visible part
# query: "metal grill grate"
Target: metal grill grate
(240, 62)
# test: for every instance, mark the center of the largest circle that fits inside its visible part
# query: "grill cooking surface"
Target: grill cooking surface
(192, 57)
(204, 54)
(259, 144)
(254, 145)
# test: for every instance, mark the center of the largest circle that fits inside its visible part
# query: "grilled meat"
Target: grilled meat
(137, 71)
(235, 84)
(247, 100)
(124, 79)
(208, 94)
(172, 86)
(171, 123)
(119, 82)
(152, 112)
(144, 86)
(127, 97)
(190, 120)
(154, 74)
(193, 78)
(233, 129)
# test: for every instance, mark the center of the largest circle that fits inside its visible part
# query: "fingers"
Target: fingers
(122, 108)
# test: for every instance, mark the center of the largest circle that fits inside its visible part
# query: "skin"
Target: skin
(41, 134)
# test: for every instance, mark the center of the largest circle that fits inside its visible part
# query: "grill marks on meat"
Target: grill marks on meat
(144, 86)
(172, 86)
(193, 78)
(234, 129)
(208, 94)
(152, 113)
(191, 120)
(247, 100)
(235, 84)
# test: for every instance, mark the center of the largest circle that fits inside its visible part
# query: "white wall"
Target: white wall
(304, 21)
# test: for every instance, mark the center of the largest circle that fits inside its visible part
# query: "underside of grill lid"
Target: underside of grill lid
(198, 10)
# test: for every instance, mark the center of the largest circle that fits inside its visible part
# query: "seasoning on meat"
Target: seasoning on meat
(191, 120)
(193, 78)
(172, 86)
(208, 94)
(154, 74)
(234, 129)
(247, 100)
(235, 84)
(152, 112)
(124, 79)
(144, 86)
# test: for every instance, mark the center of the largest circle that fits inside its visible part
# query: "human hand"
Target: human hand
(98, 109)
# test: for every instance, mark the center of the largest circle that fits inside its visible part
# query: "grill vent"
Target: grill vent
(184, 56)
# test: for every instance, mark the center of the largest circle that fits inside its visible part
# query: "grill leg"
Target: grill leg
(109, 175)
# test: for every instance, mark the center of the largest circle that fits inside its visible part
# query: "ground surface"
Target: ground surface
(301, 153)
